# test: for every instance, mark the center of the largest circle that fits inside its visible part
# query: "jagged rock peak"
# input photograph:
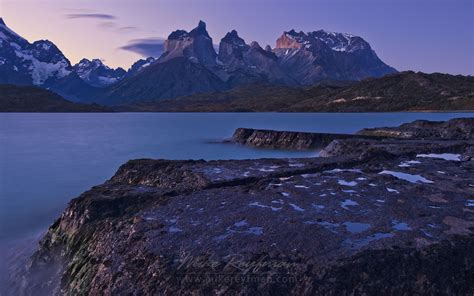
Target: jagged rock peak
(255, 44)
(87, 63)
(195, 45)
(178, 34)
(293, 34)
(45, 45)
(2, 22)
(255, 47)
(233, 38)
(199, 30)
(292, 40)
(140, 65)
(268, 48)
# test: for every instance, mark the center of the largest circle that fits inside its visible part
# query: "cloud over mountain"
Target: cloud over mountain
(99, 16)
(147, 47)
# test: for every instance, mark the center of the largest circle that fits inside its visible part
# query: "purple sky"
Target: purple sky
(421, 35)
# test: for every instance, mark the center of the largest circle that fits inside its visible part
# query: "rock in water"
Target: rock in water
(284, 139)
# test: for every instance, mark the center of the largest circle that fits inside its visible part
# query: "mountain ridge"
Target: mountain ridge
(299, 59)
(42, 63)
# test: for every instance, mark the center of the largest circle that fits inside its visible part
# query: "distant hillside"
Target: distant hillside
(405, 91)
(15, 98)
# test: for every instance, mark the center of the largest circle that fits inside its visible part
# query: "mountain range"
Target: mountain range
(190, 65)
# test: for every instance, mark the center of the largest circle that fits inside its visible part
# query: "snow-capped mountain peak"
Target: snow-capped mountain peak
(42, 63)
(342, 42)
(34, 63)
(321, 54)
(139, 66)
(95, 73)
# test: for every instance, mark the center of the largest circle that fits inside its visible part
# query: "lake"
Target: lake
(48, 159)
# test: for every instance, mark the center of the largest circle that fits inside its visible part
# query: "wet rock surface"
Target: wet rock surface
(357, 147)
(379, 223)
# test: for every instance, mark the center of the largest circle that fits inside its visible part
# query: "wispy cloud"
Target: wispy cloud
(147, 47)
(128, 29)
(99, 16)
(104, 21)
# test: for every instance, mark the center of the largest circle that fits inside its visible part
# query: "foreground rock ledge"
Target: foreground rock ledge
(377, 224)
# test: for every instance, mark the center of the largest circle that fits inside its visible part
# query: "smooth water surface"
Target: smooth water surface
(47, 159)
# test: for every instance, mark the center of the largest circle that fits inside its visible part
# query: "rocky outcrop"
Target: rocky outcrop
(231, 49)
(451, 135)
(284, 139)
(358, 146)
(454, 129)
(246, 64)
(374, 224)
(195, 45)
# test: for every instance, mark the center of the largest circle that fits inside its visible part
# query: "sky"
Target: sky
(420, 35)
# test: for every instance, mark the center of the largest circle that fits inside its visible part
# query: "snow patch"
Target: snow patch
(445, 156)
(407, 177)
(348, 203)
(346, 183)
(296, 207)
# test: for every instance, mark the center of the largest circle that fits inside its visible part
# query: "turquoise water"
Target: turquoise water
(48, 159)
